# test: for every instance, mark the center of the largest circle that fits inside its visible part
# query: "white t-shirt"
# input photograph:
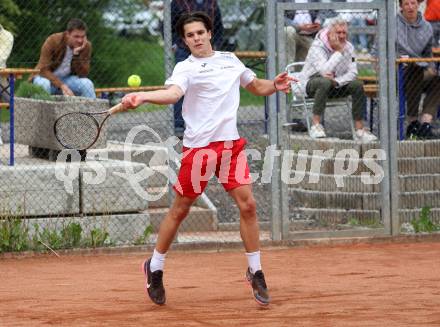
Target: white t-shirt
(212, 95)
(63, 70)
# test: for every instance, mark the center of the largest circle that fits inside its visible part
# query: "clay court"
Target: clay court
(345, 285)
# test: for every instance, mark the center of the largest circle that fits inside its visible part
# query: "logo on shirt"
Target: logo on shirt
(226, 67)
(227, 55)
(204, 64)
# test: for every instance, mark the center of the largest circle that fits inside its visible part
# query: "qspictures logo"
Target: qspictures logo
(296, 166)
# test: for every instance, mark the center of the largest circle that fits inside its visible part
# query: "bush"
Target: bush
(29, 90)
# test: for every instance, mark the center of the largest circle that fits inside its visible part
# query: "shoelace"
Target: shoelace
(156, 278)
(259, 279)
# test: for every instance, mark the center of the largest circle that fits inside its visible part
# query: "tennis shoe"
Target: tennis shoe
(364, 136)
(154, 283)
(259, 287)
(317, 131)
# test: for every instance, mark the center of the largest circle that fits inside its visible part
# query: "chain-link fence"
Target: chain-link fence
(118, 191)
(344, 160)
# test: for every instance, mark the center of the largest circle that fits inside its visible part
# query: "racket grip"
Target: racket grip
(115, 109)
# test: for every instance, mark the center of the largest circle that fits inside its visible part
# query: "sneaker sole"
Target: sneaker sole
(144, 271)
(263, 304)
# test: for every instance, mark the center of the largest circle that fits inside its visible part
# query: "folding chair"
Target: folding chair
(300, 100)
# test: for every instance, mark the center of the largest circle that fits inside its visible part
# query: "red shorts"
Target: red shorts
(226, 159)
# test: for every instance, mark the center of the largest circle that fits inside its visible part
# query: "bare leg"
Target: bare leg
(249, 230)
(169, 226)
(316, 119)
(358, 124)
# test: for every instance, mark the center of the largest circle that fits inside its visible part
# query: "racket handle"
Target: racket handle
(115, 109)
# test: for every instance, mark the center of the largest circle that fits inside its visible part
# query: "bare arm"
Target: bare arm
(168, 96)
(267, 87)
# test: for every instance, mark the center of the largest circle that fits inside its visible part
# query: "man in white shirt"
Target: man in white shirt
(330, 72)
(210, 81)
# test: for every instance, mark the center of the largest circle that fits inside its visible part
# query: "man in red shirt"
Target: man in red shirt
(432, 15)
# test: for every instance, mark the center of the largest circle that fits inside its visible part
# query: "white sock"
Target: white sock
(157, 261)
(254, 261)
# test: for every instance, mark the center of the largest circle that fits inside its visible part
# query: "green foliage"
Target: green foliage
(424, 223)
(98, 237)
(8, 8)
(13, 235)
(29, 90)
(71, 235)
(117, 58)
(145, 237)
(366, 222)
(49, 236)
(366, 72)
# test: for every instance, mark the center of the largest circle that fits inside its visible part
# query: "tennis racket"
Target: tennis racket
(80, 130)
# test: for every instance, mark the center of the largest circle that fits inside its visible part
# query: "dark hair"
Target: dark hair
(400, 2)
(196, 16)
(76, 24)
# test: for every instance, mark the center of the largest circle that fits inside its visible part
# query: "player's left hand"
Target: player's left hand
(282, 82)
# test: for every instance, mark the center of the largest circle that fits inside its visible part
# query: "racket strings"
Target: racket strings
(76, 130)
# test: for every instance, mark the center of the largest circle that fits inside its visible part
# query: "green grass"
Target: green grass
(366, 72)
(123, 57)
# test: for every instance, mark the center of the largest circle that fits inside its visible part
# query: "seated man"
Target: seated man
(414, 40)
(301, 28)
(65, 62)
(330, 72)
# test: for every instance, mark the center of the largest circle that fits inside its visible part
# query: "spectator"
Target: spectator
(301, 28)
(330, 72)
(432, 15)
(181, 52)
(359, 19)
(65, 62)
(414, 40)
(6, 43)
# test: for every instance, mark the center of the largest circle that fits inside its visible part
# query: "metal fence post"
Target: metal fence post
(392, 112)
(273, 119)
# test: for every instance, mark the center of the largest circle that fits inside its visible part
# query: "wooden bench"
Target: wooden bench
(99, 91)
(368, 79)
(251, 54)
(371, 90)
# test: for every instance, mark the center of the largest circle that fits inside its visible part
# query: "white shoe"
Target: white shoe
(364, 136)
(317, 131)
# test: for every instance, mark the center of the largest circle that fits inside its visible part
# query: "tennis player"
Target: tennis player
(210, 81)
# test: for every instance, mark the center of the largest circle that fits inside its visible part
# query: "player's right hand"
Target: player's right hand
(132, 100)
(66, 90)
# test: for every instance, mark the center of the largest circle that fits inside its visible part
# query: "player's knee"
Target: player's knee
(248, 207)
(42, 82)
(86, 85)
(180, 213)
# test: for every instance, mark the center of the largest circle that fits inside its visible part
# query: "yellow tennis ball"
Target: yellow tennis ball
(134, 81)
